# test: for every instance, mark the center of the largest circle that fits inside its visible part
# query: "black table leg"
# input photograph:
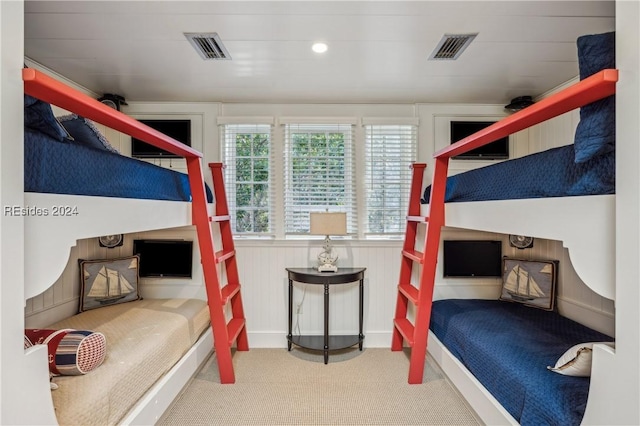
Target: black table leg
(290, 335)
(326, 323)
(360, 335)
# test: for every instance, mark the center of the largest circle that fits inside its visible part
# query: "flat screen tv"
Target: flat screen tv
(164, 258)
(498, 150)
(179, 130)
(465, 258)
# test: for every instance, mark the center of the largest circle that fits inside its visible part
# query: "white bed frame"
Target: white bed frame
(48, 239)
(592, 252)
(592, 249)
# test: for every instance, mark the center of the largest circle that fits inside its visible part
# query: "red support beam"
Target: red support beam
(591, 89)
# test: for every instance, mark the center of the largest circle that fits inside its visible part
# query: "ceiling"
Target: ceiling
(378, 51)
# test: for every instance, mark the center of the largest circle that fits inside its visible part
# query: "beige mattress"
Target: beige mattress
(145, 339)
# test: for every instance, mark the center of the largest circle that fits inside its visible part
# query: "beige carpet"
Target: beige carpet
(277, 387)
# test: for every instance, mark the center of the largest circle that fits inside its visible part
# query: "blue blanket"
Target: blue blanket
(550, 173)
(79, 161)
(52, 166)
(508, 346)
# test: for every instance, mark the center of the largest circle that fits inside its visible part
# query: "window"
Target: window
(390, 151)
(319, 174)
(248, 177)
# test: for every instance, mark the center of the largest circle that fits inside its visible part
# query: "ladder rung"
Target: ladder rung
(410, 291)
(418, 218)
(221, 218)
(228, 291)
(221, 255)
(405, 328)
(234, 328)
(414, 255)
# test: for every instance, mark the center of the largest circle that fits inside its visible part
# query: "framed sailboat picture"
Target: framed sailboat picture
(108, 282)
(530, 282)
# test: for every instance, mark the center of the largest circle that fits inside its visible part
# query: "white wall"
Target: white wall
(24, 373)
(615, 384)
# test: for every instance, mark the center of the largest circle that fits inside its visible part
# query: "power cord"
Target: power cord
(298, 308)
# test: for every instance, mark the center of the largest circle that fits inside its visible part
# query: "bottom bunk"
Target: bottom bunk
(497, 353)
(153, 347)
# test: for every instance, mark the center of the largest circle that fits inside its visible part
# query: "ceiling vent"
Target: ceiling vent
(451, 46)
(208, 45)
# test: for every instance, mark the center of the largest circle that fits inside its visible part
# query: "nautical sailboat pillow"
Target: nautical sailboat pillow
(108, 282)
(530, 282)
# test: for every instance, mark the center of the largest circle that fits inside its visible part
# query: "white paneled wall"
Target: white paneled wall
(262, 264)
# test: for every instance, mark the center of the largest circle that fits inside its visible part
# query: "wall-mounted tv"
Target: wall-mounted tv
(164, 258)
(467, 258)
(179, 130)
(498, 150)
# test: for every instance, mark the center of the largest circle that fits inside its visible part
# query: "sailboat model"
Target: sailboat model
(109, 286)
(521, 286)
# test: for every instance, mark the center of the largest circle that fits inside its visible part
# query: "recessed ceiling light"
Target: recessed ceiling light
(319, 47)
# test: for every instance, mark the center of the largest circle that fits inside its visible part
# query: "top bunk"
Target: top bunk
(77, 186)
(564, 193)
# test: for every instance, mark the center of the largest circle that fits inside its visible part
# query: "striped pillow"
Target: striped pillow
(71, 352)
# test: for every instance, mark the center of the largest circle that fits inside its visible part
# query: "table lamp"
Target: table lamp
(326, 224)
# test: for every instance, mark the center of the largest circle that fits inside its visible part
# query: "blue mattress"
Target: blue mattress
(52, 164)
(550, 173)
(508, 346)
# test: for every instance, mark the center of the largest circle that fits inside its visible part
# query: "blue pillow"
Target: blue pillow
(85, 133)
(596, 131)
(38, 116)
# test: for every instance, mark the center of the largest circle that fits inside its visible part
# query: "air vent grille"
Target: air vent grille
(208, 45)
(451, 46)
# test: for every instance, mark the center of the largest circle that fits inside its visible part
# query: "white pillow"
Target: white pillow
(576, 361)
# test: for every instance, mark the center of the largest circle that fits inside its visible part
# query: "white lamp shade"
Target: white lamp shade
(324, 223)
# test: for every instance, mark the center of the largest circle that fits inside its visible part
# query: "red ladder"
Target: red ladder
(593, 88)
(225, 334)
(419, 295)
(41, 86)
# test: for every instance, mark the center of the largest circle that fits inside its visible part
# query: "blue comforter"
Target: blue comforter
(508, 346)
(51, 166)
(550, 173)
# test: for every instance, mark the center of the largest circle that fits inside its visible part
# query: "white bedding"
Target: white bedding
(145, 339)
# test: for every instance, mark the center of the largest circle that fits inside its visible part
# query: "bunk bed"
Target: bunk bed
(497, 352)
(77, 188)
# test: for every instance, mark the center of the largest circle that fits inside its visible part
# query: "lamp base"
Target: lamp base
(327, 268)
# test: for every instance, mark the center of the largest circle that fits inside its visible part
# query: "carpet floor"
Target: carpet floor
(277, 387)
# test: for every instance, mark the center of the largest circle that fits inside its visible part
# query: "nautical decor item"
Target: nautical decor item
(325, 223)
(111, 241)
(520, 241)
(529, 282)
(108, 282)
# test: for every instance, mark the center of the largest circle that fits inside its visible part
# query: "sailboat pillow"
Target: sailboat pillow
(108, 282)
(530, 282)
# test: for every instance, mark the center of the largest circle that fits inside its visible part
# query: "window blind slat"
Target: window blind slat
(248, 160)
(319, 173)
(390, 149)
